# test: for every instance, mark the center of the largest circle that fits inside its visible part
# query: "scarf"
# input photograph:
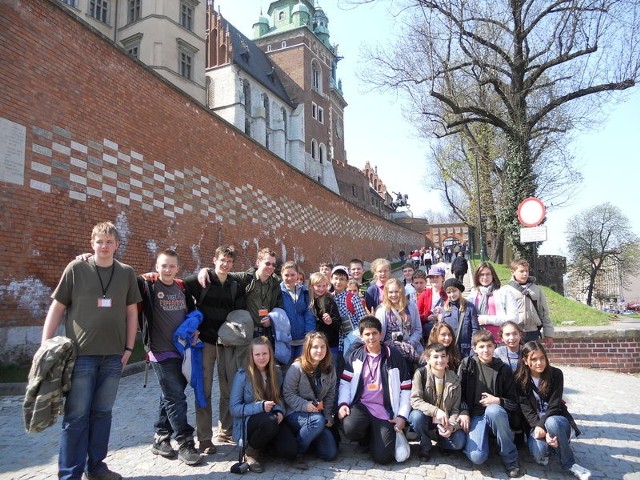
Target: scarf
(485, 293)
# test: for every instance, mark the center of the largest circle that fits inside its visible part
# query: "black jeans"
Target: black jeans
(360, 425)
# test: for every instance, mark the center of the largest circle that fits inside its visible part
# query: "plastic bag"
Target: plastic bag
(403, 451)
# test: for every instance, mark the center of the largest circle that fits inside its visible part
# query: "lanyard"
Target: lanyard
(104, 289)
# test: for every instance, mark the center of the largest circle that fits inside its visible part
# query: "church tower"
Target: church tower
(295, 36)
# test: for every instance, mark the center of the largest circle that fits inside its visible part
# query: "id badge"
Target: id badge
(104, 303)
(263, 312)
(372, 387)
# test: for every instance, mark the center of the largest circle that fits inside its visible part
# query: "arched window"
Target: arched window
(322, 153)
(314, 149)
(246, 92)
(267, 109)
(316, 76)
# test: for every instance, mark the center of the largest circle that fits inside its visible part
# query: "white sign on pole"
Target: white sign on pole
(533, 234)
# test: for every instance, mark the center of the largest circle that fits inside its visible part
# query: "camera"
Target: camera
(397, 336)
(240, 467)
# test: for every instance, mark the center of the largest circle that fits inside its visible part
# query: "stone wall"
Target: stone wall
(615, 347)
(88, 134)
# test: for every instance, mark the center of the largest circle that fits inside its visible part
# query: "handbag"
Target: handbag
(403, 451)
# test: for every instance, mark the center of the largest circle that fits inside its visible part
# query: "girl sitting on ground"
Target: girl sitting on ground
(539, 387)
(256, 400)
(309, 392)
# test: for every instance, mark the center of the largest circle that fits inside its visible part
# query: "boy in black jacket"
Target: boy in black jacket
(488, 397)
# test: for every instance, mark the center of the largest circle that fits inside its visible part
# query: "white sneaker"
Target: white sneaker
(580, 472)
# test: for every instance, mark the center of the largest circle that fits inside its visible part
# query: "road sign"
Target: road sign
(533, 234)
(531, 212)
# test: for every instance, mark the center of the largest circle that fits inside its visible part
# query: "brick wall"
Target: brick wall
(613, 348)
(105, 138)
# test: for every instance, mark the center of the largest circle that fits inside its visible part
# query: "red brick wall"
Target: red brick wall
(107, 139)
(614, 349)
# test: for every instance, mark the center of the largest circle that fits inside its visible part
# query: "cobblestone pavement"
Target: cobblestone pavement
(605, 405)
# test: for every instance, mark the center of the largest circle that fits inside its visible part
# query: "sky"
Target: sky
(608, 155)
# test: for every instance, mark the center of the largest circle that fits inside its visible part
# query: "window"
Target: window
(133, 11)
(246, 92)
(315, 76)
(267, 109)
(321, 153)
(314, 110)
(73, 3)
(186, 62)
(99, 9)
(314, 148)
(283, 44)
(268, 48)
(132, 45)
(354, 191)
(186, 14)
(320, 114)
(186, 54)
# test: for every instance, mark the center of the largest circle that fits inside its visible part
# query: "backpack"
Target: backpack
(349, 302)
(145, 308)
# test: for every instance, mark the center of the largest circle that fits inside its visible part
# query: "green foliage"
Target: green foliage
(562, 309)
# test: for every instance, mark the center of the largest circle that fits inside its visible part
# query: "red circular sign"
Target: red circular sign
(531, 212)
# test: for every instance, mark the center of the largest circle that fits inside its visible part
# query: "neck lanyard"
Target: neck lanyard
(104, 289)
(371, 361)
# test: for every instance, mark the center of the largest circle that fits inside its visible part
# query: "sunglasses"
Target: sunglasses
(270, 264)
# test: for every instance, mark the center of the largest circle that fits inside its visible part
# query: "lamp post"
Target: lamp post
(479, 211)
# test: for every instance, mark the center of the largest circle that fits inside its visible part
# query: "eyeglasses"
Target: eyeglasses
(270, 264)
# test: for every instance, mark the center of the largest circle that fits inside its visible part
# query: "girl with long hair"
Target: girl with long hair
(310, 392)
(443, 333)
(495, 305)
(539, 387)
(256, 400)
(400, 321)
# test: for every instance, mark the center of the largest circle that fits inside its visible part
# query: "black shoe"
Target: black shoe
(424, 455)
(188, 453)
(515, 471)
(163, 448)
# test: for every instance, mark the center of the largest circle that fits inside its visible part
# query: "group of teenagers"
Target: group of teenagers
(367, 361)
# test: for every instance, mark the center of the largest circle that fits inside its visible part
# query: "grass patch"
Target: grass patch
(562, 309)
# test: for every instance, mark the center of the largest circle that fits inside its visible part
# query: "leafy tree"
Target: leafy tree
(530, 70)
(599, 237)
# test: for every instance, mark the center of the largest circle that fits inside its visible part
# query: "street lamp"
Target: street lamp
(479, 211)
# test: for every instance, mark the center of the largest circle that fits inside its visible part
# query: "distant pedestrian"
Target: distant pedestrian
(459, 267)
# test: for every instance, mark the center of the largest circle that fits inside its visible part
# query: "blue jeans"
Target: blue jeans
(422, 423)
(559, 427)
(311, 432)
(172, 414)
(495, 420)
(86, 425)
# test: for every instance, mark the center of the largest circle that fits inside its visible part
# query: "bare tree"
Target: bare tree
(598, 237)
(533, 70)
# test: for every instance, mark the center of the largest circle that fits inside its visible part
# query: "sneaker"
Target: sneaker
(102, 475)
(515, 471)
(300, 464)
(224, 438)
(424, 454)
(163, 448)
(580, 472)
(544, 461)
(188, 453)
(207, 447)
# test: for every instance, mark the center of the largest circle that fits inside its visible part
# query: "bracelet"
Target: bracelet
(127, 349)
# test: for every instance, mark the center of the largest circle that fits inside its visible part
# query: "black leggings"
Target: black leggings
(263, 429)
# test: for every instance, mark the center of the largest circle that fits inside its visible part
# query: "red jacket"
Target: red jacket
(424, 303)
